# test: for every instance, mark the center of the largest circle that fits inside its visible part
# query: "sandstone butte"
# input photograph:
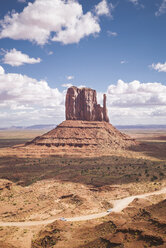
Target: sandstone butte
(86, 127)
(81, 104)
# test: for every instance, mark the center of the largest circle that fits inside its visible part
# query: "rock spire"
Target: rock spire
(81, 104)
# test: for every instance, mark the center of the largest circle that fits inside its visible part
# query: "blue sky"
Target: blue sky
(117, 47)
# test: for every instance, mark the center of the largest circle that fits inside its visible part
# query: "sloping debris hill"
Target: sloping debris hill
(84, 134)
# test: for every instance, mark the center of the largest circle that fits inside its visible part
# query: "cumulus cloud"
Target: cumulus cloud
(27, 101)
(83, 27)
(102, 8)
(17, 58)
(159, 67)
(137, 94)
(24, 99)
(64, 21)
(162, 9)
(137, 103)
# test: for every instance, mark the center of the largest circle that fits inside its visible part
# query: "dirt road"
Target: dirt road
(119, 205)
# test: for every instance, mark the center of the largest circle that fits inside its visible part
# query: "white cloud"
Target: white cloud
(162, 9)
(102, 8)
(64, 21)
(137, 94)
(110, 33)
(137, 103)
(70, 77)
(24, 100)
(67, 85)
(17, 58)
(1, 70)
(81, 28)
(70, 85)
(28, 90)
(159, 67)
(81, 86)
(159, 112)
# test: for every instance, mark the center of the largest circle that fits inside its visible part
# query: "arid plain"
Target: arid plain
(48, 187)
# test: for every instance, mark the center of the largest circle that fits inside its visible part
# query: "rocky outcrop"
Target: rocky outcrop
(81, 104)
(5, 184)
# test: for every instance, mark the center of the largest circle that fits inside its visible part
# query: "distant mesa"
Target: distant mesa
(86, 129)
(81, 104)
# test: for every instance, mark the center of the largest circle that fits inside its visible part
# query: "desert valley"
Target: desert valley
(84, 183)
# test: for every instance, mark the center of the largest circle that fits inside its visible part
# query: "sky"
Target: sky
(116, 47)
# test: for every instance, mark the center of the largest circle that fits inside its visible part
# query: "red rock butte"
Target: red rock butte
(81, 104)
(86, 128)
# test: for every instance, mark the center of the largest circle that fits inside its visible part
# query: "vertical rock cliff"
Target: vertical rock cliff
(81, 104)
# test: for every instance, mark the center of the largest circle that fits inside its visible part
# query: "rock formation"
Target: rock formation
(84, 134)
(86, 129)
(81, 104)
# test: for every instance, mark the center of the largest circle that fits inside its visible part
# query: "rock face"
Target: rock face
(81, 104)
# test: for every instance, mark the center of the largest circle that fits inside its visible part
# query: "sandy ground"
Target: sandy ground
(25, 211)
(119, 205)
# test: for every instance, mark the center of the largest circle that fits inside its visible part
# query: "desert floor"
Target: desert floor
(39, 189)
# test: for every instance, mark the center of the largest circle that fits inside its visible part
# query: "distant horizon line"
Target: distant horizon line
(45, 126)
